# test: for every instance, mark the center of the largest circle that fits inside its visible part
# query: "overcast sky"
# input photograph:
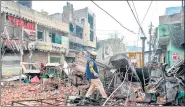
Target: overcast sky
(120, 10)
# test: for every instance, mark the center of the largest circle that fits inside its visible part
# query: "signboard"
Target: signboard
(31, 34)
(43, 46)
(175, 57)
(58, 48)
(21, 23)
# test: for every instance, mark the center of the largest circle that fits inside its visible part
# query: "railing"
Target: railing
(77, 40)
(45, 46)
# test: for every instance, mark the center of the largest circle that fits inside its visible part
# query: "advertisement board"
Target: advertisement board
(44, 46)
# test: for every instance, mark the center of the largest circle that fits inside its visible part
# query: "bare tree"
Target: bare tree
(116, 42)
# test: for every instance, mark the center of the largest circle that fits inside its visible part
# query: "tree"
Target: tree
(116, 42)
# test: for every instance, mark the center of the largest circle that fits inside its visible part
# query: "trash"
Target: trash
(35, 80)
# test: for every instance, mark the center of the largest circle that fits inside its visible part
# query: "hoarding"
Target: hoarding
(44, 46)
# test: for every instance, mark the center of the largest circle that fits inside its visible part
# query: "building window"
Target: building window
(90, 21)
(91, 36)
(79, 32)
(55, 38)
(40, 36)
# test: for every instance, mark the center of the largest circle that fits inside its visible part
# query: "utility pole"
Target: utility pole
(143, 51)
(1, 25)
(150, 44)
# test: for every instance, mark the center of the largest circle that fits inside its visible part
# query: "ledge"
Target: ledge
(24, 12)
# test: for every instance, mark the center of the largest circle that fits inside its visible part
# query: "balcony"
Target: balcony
(50, 47)
(77, 40)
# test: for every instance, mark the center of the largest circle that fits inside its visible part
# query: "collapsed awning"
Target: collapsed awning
(15, 44)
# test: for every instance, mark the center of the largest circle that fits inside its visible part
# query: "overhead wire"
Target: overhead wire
(135, 11)
(146, 12)
(113, 17)
(144, 19)
(136, 19)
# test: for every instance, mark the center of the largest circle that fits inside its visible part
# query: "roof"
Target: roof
(173, 10)
(11, 7)
(133, 49)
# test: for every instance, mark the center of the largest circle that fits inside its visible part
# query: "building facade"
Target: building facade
(44, 38)
(82, 25)
(171, 37)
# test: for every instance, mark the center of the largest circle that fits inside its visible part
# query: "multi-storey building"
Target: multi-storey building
(82, 28)
(23, 25)
(171, 36)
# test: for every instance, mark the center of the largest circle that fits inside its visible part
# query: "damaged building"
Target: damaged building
(43, 38)
(81, 24)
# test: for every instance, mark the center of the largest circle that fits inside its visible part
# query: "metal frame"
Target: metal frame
(39, 100)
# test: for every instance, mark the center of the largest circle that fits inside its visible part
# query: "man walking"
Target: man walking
(92, 75)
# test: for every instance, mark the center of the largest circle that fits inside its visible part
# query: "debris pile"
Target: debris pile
(33, 92)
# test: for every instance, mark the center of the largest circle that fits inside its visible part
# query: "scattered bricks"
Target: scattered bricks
(33, 92)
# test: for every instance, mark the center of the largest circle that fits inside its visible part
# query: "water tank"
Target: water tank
(27, 3)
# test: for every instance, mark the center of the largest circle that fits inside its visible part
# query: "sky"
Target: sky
(120, 10)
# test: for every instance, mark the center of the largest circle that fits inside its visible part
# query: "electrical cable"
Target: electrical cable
(112, 17)
(146, 12)
(144, 19)
(136, 18)
(138, 21)
(135, 11)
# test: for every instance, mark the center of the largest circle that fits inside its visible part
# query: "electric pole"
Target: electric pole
(150, 44)
(1, 41)
(143, 56)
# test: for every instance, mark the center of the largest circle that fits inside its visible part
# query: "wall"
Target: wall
(174, 50)
(170, 19)
(57, 16)
(37, 56)
(11, 64)
(81, 13)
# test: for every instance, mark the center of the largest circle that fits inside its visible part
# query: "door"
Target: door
(53, 38)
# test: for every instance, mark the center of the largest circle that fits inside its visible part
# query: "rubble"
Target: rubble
(32, 92)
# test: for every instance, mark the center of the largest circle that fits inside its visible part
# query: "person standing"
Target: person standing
(93, 76)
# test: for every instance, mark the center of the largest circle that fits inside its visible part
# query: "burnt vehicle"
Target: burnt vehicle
(112, 74)
(168, 84)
